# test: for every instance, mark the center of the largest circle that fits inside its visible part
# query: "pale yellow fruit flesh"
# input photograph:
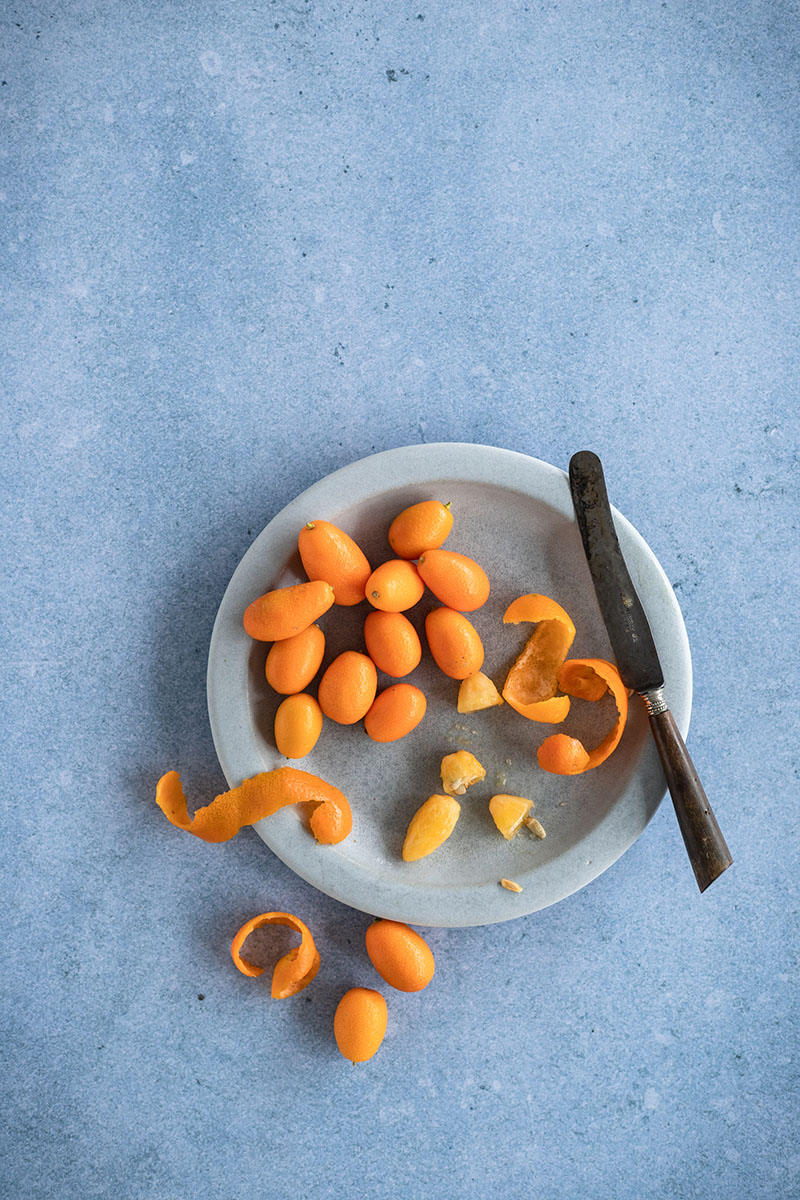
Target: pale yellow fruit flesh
(477, 692)
(459, 771)
(508, 813)
(430, 826)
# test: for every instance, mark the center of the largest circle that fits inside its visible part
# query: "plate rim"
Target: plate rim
(291, 842)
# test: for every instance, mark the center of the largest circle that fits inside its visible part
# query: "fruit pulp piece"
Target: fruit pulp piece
(459, 771)
(430, 826)
(477, 692)
(508, 813)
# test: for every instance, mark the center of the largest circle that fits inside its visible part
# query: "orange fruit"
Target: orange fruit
(293, 662)
(394, 586)
(359, 1024)
(454, 643)
(331, 554)
(430, 826)
(420, 527)
(454, 579)
(562, 755)
(395, 712)
(286, 611)
(348, 687)
(531, 684)
(298, 724)
(392, 643)
(400, 956)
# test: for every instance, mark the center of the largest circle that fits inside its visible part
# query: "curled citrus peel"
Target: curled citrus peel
(586, 679)
(255, 798)
(531, 684)
(295, 970)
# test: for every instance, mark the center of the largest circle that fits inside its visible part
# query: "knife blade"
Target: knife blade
(639, 665)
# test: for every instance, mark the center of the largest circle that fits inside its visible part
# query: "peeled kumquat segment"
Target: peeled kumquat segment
(286, 611)
(298, 724)
(400, 956)
(420, 527)
(395, 712)
(477, 692)
(573, 678)
(454, 579)
(295, 970)
(331, 554)
(359, 1024)
(531, 684)
(508, 813)
(256, 798)
(392, 643)
(348, 687)
(459, 771)
(454, 643)
(395, 586)
(430, 826)
(293, 662)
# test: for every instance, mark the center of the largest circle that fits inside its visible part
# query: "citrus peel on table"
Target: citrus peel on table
(256, 798)
(582, 677)
(295, 970)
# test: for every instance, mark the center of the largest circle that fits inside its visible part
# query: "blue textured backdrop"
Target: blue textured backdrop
(245, 244)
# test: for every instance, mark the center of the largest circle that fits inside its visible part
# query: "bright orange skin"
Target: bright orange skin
(331, 554)
(392, 643)
(454, 643)
(256, 798)
(293, 662)
(400, 956)
(420, 527)
(562, 755)
(286, 611)
(395, 586)
(360, 1022)
(454, 579)
(395, 712)
(295, 970)
(298, 724)
(348, 687)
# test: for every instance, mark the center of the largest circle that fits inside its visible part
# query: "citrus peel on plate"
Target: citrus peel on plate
(531, 684)
(582, 677)
(256, 798)
(295, 970)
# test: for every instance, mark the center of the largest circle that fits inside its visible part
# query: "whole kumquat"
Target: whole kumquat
(359, 1024)
(286, 611)
(331, 554)
(400, 956)
(392, 643)
(454, 579)
(420, 527)
(348, 687)
(298, 724)
(394, 586)
(454, 643)
(395, 712)
(293, 662)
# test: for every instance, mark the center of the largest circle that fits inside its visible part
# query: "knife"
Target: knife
(640, 668)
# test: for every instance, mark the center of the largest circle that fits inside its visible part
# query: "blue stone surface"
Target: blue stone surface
(244, 245)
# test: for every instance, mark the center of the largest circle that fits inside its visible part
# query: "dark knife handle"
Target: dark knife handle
(705, 845)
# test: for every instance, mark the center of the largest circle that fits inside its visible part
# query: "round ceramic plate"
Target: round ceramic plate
(514, 515)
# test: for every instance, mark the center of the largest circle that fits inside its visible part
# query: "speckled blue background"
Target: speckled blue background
(245, 244)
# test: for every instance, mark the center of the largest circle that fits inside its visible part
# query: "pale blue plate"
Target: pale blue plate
(514, 515)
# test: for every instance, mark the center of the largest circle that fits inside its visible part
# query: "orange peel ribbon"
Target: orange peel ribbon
(582, 678)
(295, 970)
(531, 684)
(255, 798)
